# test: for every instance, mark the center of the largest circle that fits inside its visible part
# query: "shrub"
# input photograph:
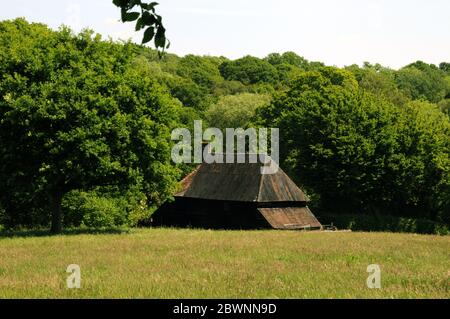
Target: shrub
(235, 110)
(2, 218)
(101, 209)
(101, 212)
(385, 223)
(91, 210)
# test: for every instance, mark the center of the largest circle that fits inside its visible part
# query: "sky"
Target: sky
(393, 33)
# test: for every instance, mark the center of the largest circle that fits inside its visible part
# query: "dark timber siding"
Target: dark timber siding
(199, 213)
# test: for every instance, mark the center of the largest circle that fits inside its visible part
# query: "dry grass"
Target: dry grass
(168, 263)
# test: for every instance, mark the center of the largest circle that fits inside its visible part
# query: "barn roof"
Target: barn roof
(240, 182)
(290, 217)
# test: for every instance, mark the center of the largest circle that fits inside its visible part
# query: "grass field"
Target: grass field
(168, 263)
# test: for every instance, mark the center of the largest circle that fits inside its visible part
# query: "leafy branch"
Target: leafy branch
(147, 19)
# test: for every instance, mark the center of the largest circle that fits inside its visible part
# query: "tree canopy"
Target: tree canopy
(249, 70)
(235, 111)
(75, 114)
(423, 81)
(359, 151)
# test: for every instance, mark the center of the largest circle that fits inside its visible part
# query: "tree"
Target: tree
(189, 93)
(426, 152)
(288, 58)
(249, 70)
(444, 106)
(203, 71)
(235, 111)
(360, 152)
(379, 81)
(445, 66)
(423, 81)
(75, 114)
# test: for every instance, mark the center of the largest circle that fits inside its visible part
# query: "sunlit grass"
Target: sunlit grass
(169, 263)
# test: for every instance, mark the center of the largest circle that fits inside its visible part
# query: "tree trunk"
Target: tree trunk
(56, 200)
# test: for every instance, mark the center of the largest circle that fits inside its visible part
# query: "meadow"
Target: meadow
(189, 263)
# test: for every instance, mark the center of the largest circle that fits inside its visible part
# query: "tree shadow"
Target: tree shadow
(67, 232)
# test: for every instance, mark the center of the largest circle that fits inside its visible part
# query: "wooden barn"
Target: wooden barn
(237, 196)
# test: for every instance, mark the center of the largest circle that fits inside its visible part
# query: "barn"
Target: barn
(237, 196)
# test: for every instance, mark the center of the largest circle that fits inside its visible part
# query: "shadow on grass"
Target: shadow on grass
(67, 232)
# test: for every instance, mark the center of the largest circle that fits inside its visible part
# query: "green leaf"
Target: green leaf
(148, 35)
(160, 37)
(148, 19)
(130, 16)
(139, 24)
(120, 3)
(151, 6)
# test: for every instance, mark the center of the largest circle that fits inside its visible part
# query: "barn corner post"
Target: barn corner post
(55, 205)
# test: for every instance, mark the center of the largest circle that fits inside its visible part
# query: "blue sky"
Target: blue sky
(337, 32)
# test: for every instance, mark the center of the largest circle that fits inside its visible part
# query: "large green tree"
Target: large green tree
(420, 80)
(360, 152)
(249, 70)
(235, 111)
(380, 81)
(76, 114)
